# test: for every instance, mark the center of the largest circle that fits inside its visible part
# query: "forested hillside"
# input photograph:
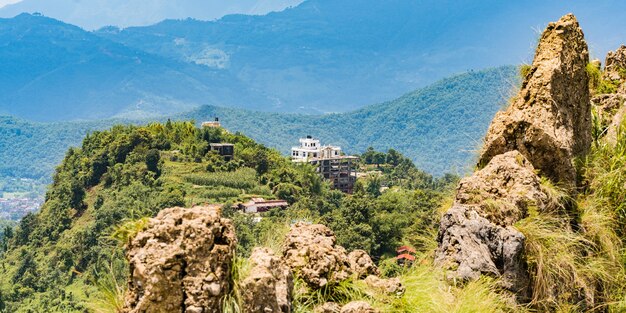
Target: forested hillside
(439, 127)
(69, 256)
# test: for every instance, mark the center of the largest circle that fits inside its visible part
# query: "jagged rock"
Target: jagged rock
(609, 103)
(328, 307)
(616, 122)
(549, 121)
(471, 245)
(610, 112)
(503, 190)
(615, 64)
(269, 286)
(312, 252)
(361, 264)
(181, 262)
(358, 307)
(386, 285)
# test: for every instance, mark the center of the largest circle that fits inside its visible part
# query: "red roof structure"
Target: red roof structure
(405, 249)
(405, 256)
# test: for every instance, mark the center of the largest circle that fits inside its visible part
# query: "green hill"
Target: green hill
(438, 127)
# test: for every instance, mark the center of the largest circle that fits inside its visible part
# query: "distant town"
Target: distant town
(14, 209)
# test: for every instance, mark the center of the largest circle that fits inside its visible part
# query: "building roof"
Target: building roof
(221, 145)
(405, 249)
(405, 256)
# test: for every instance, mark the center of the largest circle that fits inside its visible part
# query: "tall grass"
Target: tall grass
(427, 291)
(111, 288)
(239, 270)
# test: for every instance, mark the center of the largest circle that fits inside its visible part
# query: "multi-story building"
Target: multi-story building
(331, 164)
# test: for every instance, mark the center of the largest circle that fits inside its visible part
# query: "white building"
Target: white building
(311, 149)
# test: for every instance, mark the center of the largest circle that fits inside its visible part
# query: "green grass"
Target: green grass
(242, 179)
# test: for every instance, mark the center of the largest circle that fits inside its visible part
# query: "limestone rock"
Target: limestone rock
(611, 109)
(361, 264)
(358, 307)
(328, 307)
(549, 121)
(503, 190)
(471, 245)
(386, 285)
(181, 262)
(311, 251)
(269, 286)
(615, 64)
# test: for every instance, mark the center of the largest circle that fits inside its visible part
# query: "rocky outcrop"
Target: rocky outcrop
(471, 245)
(503, 190)
(269, 285)
(312, 252)
(361, 264)
(549, 121)
(181, 262)
(358, 307)
(615, 65)
(328, 307)
(547, 125)
(476, 236)
(611, 110)
(385, 285)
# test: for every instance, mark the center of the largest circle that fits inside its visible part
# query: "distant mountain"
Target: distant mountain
(95, 14)
(321, 56)
(339, 55)
(439, 126)
(56, 71)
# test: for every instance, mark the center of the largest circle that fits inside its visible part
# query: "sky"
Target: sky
(5, 2)
(94, 14)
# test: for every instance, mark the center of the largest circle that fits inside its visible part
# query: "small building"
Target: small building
(406, 255)
(214, 124)
(260, 205)
(339, 170)
(405, 249)
(226, 150)
(405, 259)
(331, 164)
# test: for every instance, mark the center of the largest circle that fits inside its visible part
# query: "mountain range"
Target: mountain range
(321, 56)
(439, 127)
(94, 14)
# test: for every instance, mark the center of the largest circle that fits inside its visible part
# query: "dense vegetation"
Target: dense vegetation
(59, 258)
(438, 127)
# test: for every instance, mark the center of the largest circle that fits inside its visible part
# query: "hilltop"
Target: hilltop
(439, 127)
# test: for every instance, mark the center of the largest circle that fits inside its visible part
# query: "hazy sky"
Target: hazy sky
(5, 2)
(93, 14)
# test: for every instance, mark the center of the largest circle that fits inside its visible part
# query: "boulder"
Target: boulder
(549, 121)
(503, 190)
(471, 245)
(385, 285)
(358, 307)
(311, 251)
(361, 264)
(615, 65)
(269, 286)
(328, 307)
(181, 262)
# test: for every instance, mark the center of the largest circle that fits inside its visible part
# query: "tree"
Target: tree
(152, 161)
